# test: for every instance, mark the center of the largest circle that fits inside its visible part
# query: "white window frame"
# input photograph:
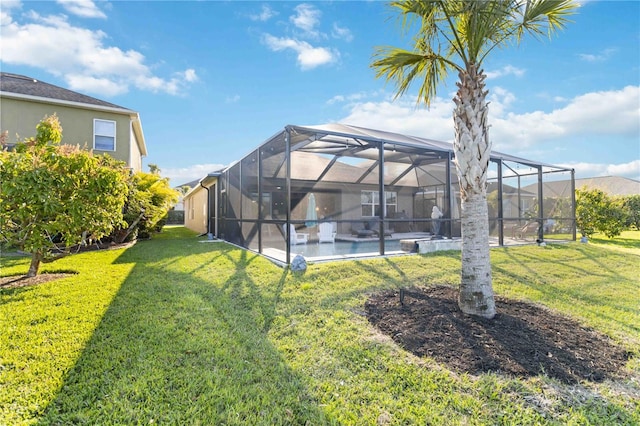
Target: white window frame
(101, 133)
(376, 202)
(371, 207)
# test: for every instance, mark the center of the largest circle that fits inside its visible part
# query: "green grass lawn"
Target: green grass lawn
(174, 331)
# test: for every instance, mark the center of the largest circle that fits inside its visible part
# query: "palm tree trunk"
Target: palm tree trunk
(472, 150)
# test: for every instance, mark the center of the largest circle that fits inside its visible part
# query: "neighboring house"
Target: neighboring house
(200, 205)
(176, 215)
(180, 204)
(515, 202)
(101, 126)
(611, 185)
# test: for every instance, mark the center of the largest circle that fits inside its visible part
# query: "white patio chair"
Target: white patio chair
(326, 234)
(296, 237)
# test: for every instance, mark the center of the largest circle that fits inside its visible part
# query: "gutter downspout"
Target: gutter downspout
(208, 201)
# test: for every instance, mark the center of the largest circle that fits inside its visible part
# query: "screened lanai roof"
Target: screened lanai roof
(341, 139)
(316, 150)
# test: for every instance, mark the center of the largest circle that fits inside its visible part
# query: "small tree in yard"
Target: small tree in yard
(632, 206)
(597, 212)
(149, 200)
(56, 197)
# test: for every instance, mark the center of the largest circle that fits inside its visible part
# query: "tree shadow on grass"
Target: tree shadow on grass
(599, 305)
(173, 348)
(629, 243)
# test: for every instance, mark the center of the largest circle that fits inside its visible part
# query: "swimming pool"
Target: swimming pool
(340, 249)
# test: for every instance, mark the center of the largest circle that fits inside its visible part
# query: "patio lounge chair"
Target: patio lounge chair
(375, 227)
(296, 237)
(521, 232)
(370, 228)
(326, 234)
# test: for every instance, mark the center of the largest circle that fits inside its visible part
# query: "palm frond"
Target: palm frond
(458, 34)
(550, 14)
(401, 67)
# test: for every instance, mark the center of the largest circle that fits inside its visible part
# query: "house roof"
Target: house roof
(191, 184)
(28, 88)
(612, 185)
(528, 191)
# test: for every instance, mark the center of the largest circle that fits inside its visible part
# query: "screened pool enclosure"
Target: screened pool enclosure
(339, 191)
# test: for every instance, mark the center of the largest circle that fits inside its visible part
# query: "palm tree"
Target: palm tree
(458, 35)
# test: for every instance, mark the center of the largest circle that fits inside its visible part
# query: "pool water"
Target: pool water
(343, 248)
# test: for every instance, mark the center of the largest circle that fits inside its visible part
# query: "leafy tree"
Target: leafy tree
(54, 197)
(597, 212)
(154, 169)
(184, 189)
(631, 204)
(457, 36)
(149, 199)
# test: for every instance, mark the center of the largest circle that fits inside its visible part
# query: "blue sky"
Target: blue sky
(212, 80)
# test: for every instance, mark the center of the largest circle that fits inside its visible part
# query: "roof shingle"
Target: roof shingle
(23, 85)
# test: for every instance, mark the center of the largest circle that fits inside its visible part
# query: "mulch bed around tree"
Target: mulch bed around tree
(522, 340)
(23, 281)
(17, 281)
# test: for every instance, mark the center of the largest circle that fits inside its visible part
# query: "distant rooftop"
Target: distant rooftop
(27, 86)
(612, 185)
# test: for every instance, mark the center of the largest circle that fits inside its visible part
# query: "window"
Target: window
(370, 201)
(391, 203)
(104, 135)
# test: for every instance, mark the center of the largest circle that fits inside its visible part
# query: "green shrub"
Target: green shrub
(631, 204)
(149, 199)
(598, 212)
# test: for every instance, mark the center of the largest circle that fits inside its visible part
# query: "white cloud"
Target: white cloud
(265, 14)
(306, 21)
(307, 18)
(583, 170)
(5, 9)
(232, 99)
(182, 175)
(85, 83)
(598, 57)
(11, 4)
(81, 57)
(404, 116)
(341, 33)
(83, 8)
(506, 70)
(500, 100)
(309, 57)
(613, 113)
(348, 98)
(190, 75)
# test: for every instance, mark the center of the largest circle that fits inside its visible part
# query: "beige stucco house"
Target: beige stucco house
(200, 205)
(101, 126)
